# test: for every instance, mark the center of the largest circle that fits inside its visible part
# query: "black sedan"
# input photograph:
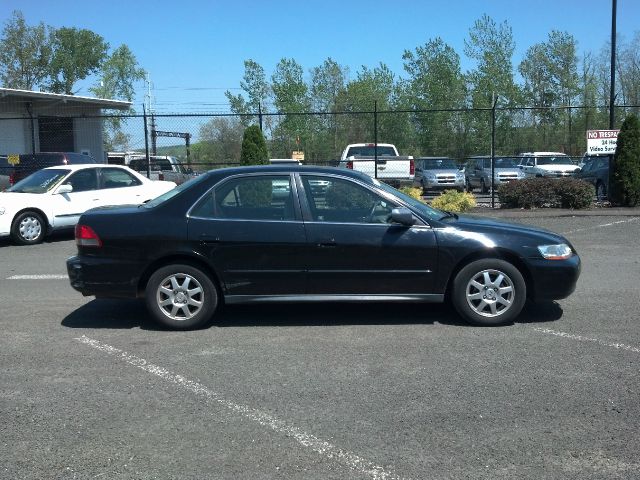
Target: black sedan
(309, 234)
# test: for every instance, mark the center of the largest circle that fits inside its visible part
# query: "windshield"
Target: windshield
(368, 151)
(507, 162)
(173, 192)
(438, 164)
(422, 208)
(39, 182)
(563, 160)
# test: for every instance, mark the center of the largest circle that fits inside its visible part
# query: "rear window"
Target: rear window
(559, 160)
(369, 151)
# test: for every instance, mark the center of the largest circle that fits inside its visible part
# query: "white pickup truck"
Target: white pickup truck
(163, 167)
(391, 166)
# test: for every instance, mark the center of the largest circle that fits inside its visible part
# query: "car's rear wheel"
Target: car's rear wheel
(483, 186)
(28, 228)
(489, 292)
(181, 296)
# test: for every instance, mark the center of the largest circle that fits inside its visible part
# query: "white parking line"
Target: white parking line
(580, 338)
(322, 447)
(38, 277)
(634, 219)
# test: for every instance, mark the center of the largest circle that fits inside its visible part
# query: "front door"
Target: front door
(67, 207)
(252, 232)
(354, 250)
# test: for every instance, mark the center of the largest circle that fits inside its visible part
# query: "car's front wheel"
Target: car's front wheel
(28, 228)
(489, 292)
(181, 296)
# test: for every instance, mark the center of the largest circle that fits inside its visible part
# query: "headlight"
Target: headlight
(561, 251)
(459, 176)
(2, 210)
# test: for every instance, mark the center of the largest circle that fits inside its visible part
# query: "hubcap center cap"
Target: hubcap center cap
(491, 294)
(181, 298)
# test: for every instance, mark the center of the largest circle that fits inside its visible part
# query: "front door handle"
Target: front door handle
(209, 239)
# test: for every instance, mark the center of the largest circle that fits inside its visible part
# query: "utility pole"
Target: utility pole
(612, 93)
(150, 110)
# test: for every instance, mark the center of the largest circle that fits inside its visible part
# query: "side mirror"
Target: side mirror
(66, 188)
(403, 216)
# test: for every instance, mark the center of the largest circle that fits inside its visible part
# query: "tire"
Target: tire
(28, 228)
(468, 186)
(483, 276)
(172, 302)
(483, 186)
(601, 191)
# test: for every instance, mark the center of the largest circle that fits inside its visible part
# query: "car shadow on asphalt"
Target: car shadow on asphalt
(129, 314)
(55, 237)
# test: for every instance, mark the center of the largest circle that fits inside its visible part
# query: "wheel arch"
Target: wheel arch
(498, 254)
(37, 210)
(181, 258)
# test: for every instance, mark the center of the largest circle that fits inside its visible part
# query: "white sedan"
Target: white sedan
(54, 198)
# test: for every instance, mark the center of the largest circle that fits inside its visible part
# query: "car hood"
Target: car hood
(558, 168)
(441, 170)
(493, 225)
(11, 199)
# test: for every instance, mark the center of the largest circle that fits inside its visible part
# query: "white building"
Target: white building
(50, 122)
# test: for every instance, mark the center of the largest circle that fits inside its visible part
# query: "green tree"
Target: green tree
(77, 53)
(220, 141)
(290, 96)
(25, 53)
(436, 83)
(254, 147)
(491, 45)
(256, 93)
(327, 83)
(624, 177)
(117, 80)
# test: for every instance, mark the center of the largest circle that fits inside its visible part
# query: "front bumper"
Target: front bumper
(553, 279)
(429, 184)
(103, 277)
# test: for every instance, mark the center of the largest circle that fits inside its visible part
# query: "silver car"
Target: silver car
(438, 173)
(478, 172)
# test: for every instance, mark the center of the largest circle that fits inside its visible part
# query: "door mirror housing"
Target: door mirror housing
(66, 188)
(403, 216)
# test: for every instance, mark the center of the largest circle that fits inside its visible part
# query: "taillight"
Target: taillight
(350, 164)
(412, 167)
(161, 176)
(87, 237)
(12, 178)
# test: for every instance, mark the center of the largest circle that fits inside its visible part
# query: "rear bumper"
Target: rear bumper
(103, 278)
(554, 279)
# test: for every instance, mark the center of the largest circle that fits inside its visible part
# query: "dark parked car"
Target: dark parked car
(23, 165)
(596, 171)
(265, 234)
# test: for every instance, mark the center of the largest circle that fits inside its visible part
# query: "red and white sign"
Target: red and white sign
(601, 141)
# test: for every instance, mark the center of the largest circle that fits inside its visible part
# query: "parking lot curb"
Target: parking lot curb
(555, 212)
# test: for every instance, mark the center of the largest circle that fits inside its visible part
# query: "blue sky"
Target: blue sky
(194, 50)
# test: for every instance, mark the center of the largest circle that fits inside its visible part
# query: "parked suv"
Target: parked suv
(547, 164)
(23, 165)
(478, 172)
(438, 173)
(596, 171)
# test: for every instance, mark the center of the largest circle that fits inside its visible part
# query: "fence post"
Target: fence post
(375, 137)
(493, 149)
(146, 141)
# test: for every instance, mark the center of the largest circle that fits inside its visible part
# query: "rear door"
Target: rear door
(119, 187)
(352, 248)
(251, 230)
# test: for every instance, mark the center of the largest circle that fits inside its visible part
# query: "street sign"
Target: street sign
(298, 155)
(601, 142)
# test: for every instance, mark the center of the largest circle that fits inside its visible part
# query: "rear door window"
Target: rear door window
(117, 178)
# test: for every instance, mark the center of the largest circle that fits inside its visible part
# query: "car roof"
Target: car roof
(288, 168)
(544, 154)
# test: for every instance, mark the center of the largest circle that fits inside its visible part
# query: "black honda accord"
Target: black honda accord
(311, 234)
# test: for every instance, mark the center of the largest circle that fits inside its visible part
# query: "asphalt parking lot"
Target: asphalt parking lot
(93, 389)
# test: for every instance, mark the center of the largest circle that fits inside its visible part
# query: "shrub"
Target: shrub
(546, 192)
(254, 147)
(454, 201)
(625, 170)
(412, 192)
